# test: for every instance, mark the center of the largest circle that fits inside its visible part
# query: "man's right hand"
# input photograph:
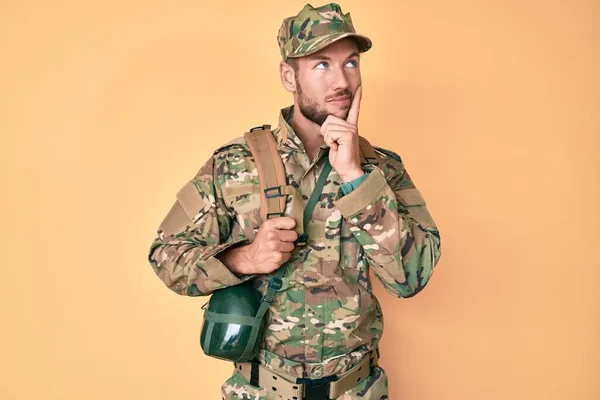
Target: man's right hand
(272, 246)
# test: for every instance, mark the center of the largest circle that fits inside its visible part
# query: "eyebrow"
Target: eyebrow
(320, 57)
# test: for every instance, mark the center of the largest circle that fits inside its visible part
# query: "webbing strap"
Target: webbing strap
(275, 282)
(314, 197)
(208, 337)
(228, 318)
(258, 321)
(271, 172)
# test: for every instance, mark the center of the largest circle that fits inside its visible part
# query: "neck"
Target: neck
(308, 132)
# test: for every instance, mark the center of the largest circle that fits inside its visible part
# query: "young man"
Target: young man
(324, 325)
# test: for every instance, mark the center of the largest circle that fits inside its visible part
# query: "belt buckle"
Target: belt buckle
(317, 389)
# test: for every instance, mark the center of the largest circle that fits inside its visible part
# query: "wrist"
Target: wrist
(351, 175)
(237, 260)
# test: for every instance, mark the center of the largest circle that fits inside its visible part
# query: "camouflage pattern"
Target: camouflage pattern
(314, 28)
(374, 387)
(325, 319)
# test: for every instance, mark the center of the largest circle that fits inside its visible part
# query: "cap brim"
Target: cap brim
(318, 43)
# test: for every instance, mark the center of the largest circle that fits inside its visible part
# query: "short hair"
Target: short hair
(293, 62)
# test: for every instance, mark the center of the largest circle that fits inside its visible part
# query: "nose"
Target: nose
(339, 79)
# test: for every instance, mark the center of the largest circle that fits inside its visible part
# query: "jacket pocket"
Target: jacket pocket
(413, 203)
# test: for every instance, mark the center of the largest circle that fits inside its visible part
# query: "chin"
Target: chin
(339, 112)
(342, 114)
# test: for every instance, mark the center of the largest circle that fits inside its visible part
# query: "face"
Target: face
(327, 80)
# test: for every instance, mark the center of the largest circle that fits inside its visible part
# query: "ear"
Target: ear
(287, 76)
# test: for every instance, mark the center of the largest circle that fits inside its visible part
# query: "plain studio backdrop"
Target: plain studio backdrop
(108, 108)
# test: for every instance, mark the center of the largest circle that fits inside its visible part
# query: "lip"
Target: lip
(340, 101)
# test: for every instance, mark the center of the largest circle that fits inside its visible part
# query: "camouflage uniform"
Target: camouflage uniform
(325, 318)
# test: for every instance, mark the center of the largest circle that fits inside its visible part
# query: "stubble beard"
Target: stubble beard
(310, 109)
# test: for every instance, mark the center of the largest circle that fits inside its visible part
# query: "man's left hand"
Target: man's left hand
(342, 138)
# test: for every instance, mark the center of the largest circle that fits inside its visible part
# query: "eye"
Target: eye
(354, 63)
(321, 63)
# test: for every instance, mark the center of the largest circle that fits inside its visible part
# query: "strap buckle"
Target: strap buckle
(274, 285)
(276, 189)
(317, 389)
(301, 240)
(260, 127)
(275, 214)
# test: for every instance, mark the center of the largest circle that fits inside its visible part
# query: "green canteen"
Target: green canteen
(228, 322)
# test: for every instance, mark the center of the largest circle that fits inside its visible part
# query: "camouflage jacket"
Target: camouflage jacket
(325, 318)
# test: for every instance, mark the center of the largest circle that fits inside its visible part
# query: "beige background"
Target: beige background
(108, 108)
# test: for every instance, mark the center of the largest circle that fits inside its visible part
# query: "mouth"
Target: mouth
(340, 101)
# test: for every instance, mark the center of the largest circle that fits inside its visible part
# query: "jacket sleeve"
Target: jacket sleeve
(192, 234)
(389, 218)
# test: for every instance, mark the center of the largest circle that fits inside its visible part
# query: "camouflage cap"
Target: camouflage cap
(314, 28)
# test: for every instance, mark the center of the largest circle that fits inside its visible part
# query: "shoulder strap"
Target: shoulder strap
(271, 172)
(367, 153)
(275, 282)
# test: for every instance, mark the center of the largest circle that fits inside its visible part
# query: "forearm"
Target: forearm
(237, 260)
(397, 234)
(406, 272)
(191, 269)
(184, 254)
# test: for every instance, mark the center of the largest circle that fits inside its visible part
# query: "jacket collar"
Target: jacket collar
(284, 134)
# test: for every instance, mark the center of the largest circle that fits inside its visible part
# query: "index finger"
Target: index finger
(282, 222)
(355, 107)
(287, 236)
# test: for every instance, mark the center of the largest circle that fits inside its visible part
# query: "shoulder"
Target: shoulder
(223, 158)
(236, 145)
(234, 154)
(233, 163)
(381, 153)
(388, 155)
(391, 161)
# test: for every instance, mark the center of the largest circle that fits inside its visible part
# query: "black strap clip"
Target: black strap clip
(260, 127)
(317, 389)
(301, 240)
(274, 285)
(275, 214)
